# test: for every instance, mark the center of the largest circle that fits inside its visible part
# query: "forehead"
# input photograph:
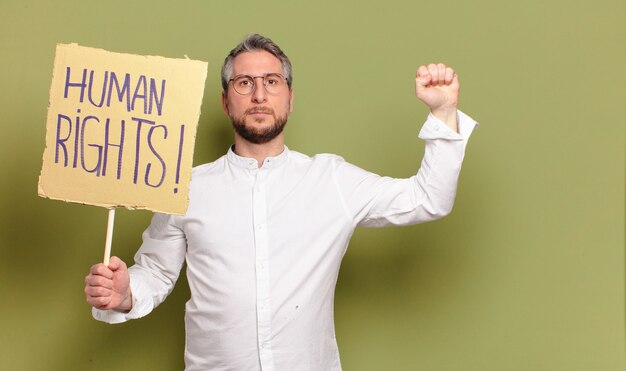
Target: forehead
(256, 63)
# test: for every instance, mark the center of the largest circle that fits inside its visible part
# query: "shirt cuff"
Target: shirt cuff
(142, 305)
(436, 129)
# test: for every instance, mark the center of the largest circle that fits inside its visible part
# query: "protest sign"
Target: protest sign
(121, 128)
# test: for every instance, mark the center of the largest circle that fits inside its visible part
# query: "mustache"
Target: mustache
(259, 109)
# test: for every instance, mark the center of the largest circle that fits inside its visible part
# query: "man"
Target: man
(267, 227)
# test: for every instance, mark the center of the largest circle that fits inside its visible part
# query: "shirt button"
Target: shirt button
(265, 345)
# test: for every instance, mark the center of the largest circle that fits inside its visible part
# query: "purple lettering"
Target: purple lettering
(149, 166)
(104, 85)
(61, 142)
(140, 88)
(96, 168)
(138, 144)
(120, 93)
(158, 101)
(69, 84)
(120, 147)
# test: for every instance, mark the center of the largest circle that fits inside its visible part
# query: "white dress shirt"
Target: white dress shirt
(263, 247)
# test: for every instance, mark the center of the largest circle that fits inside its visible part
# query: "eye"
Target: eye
(244, 81)
(273, 80)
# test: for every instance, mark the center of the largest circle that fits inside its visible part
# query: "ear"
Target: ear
(224, 103)
(290, 100)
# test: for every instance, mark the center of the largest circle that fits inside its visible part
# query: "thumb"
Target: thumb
(116, 264)
(423, 80)
(422, 77)
(421, 84)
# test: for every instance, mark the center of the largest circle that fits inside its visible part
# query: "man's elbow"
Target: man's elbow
(440, 210)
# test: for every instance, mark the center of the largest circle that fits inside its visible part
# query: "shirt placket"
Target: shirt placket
(262, 272)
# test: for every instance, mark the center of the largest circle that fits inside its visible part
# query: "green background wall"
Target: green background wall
(527, 273)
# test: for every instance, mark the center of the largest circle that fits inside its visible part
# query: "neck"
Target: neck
(259, 152)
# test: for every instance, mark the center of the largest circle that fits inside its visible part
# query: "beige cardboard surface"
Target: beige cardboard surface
(121, 128)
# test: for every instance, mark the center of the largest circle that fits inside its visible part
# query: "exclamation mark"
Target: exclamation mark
(180, 155)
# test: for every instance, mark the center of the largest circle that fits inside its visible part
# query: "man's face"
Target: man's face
(260, 116)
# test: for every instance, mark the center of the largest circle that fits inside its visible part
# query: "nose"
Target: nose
(259, 95)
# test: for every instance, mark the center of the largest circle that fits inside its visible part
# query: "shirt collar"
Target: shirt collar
(250, 163)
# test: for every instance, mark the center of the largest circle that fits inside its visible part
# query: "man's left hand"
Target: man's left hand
(437, 85)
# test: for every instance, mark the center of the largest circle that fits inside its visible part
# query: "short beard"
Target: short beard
(257, 136)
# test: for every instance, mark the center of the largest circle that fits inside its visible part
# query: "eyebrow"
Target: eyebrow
(263, 75)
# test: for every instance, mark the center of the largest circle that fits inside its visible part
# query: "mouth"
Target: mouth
(259, 111)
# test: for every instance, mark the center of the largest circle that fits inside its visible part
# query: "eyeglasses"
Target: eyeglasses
(274, 83)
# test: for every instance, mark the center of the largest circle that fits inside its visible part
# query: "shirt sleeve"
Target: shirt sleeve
(157, 266)
(375, 201)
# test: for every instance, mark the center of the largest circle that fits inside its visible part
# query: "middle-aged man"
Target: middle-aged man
(267, 227)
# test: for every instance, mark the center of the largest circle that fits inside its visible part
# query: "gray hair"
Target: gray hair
(254, 42)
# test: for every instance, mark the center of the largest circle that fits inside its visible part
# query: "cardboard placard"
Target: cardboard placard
(121, 128)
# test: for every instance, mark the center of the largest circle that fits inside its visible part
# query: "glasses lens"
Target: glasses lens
(274, 83)
(243, 85)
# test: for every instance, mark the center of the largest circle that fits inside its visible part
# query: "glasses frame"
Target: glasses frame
(254, 84)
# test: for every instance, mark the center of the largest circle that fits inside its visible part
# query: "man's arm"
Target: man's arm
(375, 201)
(117, 294)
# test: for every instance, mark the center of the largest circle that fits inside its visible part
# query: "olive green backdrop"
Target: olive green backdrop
(527, 273)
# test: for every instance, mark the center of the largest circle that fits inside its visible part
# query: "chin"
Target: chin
(259, 131)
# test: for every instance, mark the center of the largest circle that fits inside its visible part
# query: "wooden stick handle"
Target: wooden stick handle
(107, 246)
